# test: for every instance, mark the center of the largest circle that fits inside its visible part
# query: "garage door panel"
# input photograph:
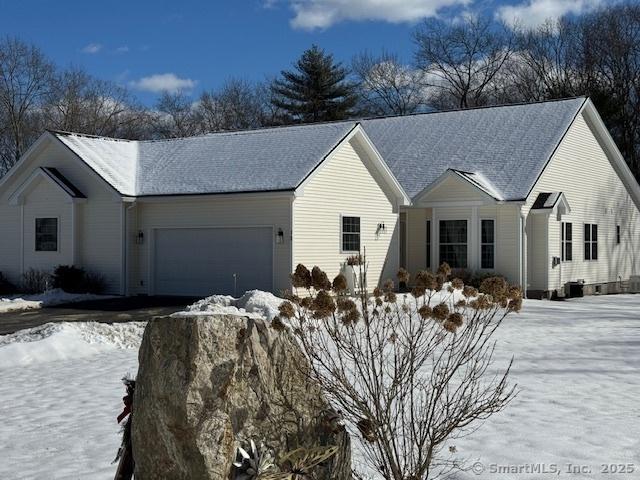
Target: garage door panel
(206, 261)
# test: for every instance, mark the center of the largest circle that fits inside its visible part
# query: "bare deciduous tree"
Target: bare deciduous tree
(386, 86)
(176, 116)
(462, 58)
(234, 107)
(25, 81)
(407, 373)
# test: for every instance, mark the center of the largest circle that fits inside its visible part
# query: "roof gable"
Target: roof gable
(507, 145)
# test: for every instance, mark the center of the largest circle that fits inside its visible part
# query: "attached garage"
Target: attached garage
(204, 261)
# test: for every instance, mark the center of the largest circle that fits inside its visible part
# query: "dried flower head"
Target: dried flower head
(301, 278)
(457, 283)
(440, 312)
(377, 292)
(378, 302)
(350, 317)
(426, 279)
(461, 303)
(425, 312)
(469, 292)
(286, 310)
(306, 302)
(497, 287)
(277, 324)
(450, 327)
(388, 286)
(323, 305)
(403, 275)
(455, 318)
(340, 284)
(515, 305)
(390, 297)
(319, 279)
(393, 338)
(418, 292)
(367, 429)
(355, 260)
(444, 269)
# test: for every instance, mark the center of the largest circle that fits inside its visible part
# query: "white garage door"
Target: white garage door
(206, 261)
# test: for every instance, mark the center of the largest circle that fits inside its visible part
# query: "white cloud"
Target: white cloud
(164, 82)
(92, 48)
(312, 14)
(122, 49)
(533, 13)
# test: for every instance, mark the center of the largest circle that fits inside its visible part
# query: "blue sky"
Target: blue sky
(151, 46)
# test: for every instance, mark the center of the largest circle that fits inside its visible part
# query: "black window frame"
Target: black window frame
(42, 232)
(485, 245)
(350, 234)
(566, 241)
(591, 242)
(444, 257)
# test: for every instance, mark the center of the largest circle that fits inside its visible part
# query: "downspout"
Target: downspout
(125, 248)
(524, 251)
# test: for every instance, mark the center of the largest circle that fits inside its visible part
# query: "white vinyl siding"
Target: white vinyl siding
(596, 195)
(98, 236)
(343, 186)
(220, 211)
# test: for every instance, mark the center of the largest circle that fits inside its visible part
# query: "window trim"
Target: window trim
(564, 242)
(495, 239)
(428, 244)
(468, 240)
(590, 242)
(341, 238)
(35, 234)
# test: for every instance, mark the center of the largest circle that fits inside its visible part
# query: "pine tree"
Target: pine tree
(316, 90)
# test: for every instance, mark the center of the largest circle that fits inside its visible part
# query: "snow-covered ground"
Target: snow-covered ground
(47, 299)
(577, 365)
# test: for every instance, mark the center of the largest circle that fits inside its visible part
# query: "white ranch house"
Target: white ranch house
(536, 192)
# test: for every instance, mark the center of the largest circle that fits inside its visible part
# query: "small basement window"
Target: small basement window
(618, 234)
(350, 234)
(590, 241)
(46, 234)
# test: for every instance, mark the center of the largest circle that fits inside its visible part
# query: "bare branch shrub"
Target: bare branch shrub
(408, 373)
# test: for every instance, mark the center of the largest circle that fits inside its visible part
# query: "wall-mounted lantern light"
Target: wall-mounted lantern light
(140, 237)
(381, 228)
(280, 237)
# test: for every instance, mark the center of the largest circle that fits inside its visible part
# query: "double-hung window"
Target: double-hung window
(567, 241)
(46, 234)
(350, 234)
(487, 244)
(453, 243)
(590, 241)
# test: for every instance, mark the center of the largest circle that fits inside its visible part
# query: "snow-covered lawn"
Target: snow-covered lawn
(577, 365)
(47, 299)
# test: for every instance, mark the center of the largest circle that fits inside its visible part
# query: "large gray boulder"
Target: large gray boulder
(209, 383)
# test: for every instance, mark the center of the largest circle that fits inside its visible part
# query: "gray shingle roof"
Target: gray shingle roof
(508, 145)
(505, 147)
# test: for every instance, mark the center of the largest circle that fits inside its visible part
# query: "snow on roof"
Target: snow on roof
(507, 145)
(501, 149)
(257, 160)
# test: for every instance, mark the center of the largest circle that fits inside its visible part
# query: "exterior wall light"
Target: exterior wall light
(280, 237)
(140, 237)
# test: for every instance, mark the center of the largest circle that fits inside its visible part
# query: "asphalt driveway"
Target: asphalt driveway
(114, 310)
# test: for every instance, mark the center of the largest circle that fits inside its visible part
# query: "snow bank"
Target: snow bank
(254, 304)
(46, 299)
(62, 341)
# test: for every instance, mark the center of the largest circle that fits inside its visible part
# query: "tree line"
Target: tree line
(463, 64)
